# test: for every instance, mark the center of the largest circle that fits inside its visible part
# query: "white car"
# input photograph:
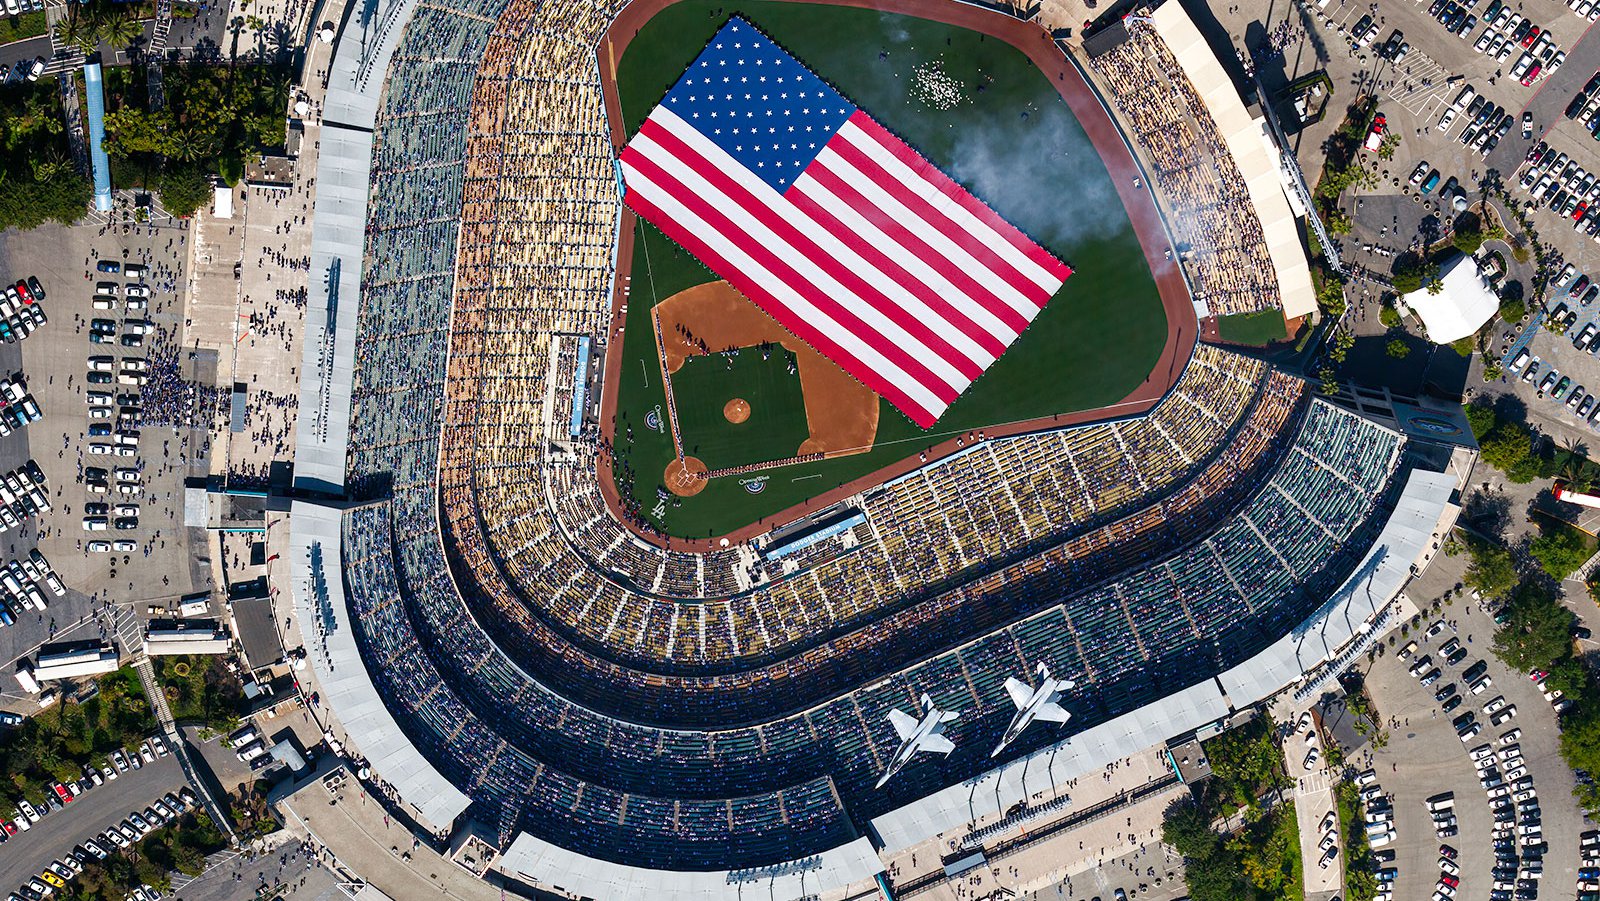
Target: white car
(1311, 759)
(1448, 867)
(137, 291)
(124, 545)
(1510, 736)
(98, 547)
(1481, 751)
(1517, 772)
(1494, 706)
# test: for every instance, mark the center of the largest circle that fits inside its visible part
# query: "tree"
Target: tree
(1331, 297)
(1559, 551)
(1389, 316)
(1512, 310)
(1464, 346)
(184, 191)
(1537, 631)
(1469, 235)
(1398, 349)
(1481, 417)
(1492, 571)
(1187, 828)
(1508, 448)
(117, 26)
(1580, 746)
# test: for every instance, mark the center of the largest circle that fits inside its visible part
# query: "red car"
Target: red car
(62, 793)
(1538, 675)
(22, 289)
(1533, 73)
(1531, 36)
(1446, 879)
(1579, 211)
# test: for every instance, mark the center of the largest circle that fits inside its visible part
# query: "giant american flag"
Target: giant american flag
(833, 226)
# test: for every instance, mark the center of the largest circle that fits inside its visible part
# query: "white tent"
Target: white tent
(1461, 308)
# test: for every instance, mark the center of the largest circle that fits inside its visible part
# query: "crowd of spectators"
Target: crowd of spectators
(736, 731)
(1214, 223)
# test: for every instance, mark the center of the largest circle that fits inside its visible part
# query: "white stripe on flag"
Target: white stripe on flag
(818, 278)
(825, 238)
(731, 248)
(936, 239)
(959, 215)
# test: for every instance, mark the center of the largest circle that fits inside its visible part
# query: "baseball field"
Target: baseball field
(978, 109)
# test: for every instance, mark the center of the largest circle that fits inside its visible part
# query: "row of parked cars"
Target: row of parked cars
(1557, 182)
(18, 409)
(1379, 813)
(1518, 841)
(114, 417)
(1486, 124)
(24, 583)
(1589, 866)
(25, 493)
(133, 828)
(22, 310)
(61, 794)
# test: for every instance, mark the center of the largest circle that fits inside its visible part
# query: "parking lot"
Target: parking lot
(26, 853)
(163, 559)
(1424, 758)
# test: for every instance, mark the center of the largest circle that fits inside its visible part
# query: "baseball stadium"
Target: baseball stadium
(613, 555)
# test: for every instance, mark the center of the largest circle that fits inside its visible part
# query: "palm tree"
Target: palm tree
(77, 32)
(117, 27)
(1576, 470)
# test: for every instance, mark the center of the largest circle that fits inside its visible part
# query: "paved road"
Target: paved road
(26, 49)
(237, 877)
(27, 852)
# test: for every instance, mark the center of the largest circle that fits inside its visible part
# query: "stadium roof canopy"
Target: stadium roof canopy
(324, 618)
(548, 864)
(1383, 571)
(338, 241)
(1253, 152)
(1461, 308)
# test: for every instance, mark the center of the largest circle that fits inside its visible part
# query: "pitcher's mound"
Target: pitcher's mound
(686, 477)
(736, 410)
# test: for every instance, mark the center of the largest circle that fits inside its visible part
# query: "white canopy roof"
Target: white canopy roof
(1253, 151)
(346, 685)
(1461, 308)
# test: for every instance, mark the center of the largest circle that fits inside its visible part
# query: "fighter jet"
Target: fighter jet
(1033, 704)
(919, 736)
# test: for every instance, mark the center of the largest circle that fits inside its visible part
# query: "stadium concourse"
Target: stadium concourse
(619, 719)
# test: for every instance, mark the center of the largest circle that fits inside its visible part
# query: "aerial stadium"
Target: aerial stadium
(663, 566)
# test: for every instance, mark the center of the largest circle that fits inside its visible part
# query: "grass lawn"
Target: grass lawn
(18, 28)
(1010, 139)
(1256, 329)
(777, 424)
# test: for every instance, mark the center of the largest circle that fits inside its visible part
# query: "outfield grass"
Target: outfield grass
(777, 424)
(1011, 140)
(1256, 329)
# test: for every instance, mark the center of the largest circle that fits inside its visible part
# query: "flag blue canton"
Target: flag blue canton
(759, 104)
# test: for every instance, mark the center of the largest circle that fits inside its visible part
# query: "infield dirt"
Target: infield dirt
(841, 413)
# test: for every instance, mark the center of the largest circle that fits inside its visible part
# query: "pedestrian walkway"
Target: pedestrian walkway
(158, 704)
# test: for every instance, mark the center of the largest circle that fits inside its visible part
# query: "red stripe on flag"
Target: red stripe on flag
(935, 218)
(752, 289)
(886, 264)
(954, 191)
(956, 274)
(813, 253)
